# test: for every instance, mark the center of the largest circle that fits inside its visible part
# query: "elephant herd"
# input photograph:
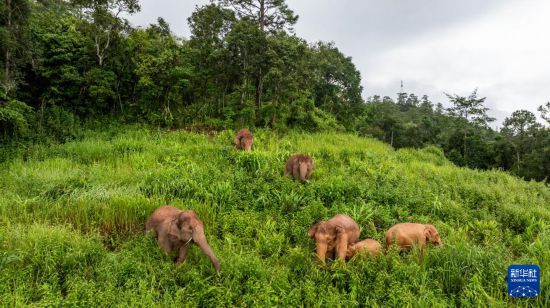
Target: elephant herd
(338, 237)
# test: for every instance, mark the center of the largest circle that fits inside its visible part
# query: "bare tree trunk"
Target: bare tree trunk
(464, 149)
(223, 97)
(517, 155)
(275, 106)
(7, 54)
(262, 15)
(41, 121)
(259, 86)
(101, 50)
(243, 91)
(118, 96)
(259, 81)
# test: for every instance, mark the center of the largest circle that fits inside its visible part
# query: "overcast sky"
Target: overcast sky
(501, 47)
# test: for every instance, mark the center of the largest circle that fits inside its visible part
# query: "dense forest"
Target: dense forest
(67, 64)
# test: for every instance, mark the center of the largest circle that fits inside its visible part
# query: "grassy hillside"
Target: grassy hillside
(72, 217)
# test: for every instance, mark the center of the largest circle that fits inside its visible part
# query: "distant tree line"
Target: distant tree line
(69, 62)
(522, 145)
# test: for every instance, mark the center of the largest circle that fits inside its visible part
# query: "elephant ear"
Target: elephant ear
(429, 232)
(173, 229)
(184, 222)
(313, 230)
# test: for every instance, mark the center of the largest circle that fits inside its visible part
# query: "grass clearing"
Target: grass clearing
(72, 219)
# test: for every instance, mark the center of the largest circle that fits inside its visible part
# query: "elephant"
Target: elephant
(175, 229)
(368, 246)
(243, 140)
(299, 166)
(407, 234)
(334, 234)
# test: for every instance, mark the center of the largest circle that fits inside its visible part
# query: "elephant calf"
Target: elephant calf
(407, 234)
(369, 246)
(243, 140)
(299, 166)
(175, 229)
(334, 234)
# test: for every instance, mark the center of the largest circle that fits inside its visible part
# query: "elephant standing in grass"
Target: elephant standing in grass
(175, 229)
(299, 166)
(407, 234)
(334, 234)
(243, 140)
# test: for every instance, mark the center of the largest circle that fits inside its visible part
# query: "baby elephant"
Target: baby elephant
(175, 229)
(299, 166)
(243, 140)
(334, 234)
(368, 246)
(407, 234)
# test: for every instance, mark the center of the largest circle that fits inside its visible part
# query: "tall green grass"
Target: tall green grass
(72, 219)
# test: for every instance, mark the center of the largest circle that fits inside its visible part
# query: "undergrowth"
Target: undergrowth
(72, 223)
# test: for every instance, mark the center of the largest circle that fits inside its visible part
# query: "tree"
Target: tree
(545, 111)
(61, 66)
(520, 128)
(470, 110)
(163, 73)
(337, 83)
(104, 21)
(519, 123)
(13, 19)
(270, 15)
(210, 24)
(288, 77)
(247, 47)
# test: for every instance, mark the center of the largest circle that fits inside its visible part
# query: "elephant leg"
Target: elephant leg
(182, 254)
(165, 243)
(295, 173)
(342, 245)
(322, 250)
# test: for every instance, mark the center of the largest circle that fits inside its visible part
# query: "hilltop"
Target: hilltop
(72, 218)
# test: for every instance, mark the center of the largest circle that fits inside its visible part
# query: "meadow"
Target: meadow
(72, 223)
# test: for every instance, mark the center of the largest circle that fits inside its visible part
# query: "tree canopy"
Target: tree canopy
(65, 63)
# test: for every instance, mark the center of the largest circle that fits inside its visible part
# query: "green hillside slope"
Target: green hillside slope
(72, 219)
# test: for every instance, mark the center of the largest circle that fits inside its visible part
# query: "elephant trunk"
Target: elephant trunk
(303, 172)
(203, 244)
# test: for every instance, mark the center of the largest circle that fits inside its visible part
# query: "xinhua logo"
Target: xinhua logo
(523, 280)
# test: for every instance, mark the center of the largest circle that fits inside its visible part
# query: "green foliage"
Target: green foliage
(162, 78)
(80, 61)
(72, 216)
(519, 147)
(304, 114)
(14, 122)
(269, 15)
(337, 84)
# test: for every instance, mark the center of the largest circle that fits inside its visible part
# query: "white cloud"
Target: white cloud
(506, 54)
